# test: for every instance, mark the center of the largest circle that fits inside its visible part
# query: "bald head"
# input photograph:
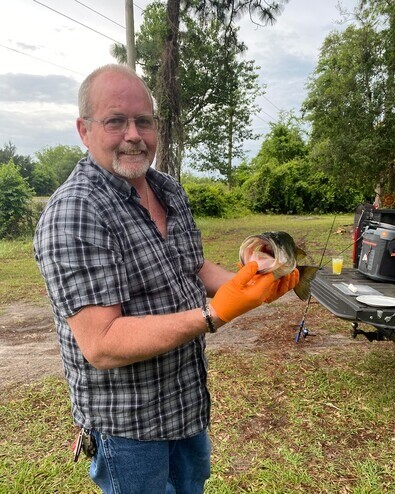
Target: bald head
(86, 105)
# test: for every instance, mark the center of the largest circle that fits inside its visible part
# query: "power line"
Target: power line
(262, 119)
(270, 116)
(40, 59)
(104, 16)
(276, 107)
(138, 6)
(98, 13)
(78, 22)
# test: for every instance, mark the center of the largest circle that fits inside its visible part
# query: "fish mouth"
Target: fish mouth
(259, 249)
(277, 253)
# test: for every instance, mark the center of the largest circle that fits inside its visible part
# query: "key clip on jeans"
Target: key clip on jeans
(85, 442)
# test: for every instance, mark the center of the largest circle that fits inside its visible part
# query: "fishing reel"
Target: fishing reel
(303, 332)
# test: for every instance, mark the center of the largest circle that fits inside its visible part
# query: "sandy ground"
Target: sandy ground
(29, 348)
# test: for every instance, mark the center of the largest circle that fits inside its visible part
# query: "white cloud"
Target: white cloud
(59, 53)
(31, 127)
(38, 88)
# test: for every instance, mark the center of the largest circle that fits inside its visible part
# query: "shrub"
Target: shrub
(296, 187)
(15, 201)
(206, 199)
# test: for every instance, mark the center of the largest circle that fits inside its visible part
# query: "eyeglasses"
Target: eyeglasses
(120, 124)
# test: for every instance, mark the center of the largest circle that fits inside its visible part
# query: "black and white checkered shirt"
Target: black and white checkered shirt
(95, 245)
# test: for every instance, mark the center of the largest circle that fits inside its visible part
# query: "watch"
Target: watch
(209, 319)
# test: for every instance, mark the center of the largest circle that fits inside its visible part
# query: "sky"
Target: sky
(48, 47)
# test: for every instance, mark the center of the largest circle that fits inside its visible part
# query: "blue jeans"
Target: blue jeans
(126, 466)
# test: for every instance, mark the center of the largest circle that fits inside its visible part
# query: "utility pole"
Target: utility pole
(130, 44)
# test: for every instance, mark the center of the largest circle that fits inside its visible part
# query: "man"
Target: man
(127, 280)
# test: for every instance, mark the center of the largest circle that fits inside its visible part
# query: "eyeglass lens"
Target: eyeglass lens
(143, 123)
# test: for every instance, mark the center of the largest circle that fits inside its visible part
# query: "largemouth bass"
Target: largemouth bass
(277, 253)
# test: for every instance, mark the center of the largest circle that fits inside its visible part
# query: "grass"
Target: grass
(20, 279)
(36, 434)
(283, 422)
(222, 238)
(317, 424)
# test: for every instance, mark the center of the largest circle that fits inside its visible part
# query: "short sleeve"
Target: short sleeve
(79, 257)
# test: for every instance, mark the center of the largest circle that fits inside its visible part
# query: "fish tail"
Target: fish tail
(306, 276)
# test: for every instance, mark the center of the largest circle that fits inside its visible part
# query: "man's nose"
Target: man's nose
(131, 132)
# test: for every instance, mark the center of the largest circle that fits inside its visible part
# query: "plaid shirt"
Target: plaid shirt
(95, 245)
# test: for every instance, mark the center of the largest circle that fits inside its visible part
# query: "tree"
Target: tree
(217, 89)
(283, 143)
(217, 131)
(44, 180)
(15, 198)
(54, 165)
(168, 94)
(277, 175)
(282, 179)
(351, 99)
(227, 12)
(25, 164)
(166, 69)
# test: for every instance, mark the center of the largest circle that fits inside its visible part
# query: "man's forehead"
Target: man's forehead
(114, 82)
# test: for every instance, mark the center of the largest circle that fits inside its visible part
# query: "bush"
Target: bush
(296, 187)
(15, 202)
(206, 199)
(44, 181)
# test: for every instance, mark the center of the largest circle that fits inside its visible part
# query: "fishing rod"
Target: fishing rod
(303, 330)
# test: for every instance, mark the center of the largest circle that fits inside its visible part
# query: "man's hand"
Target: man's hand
(247, 290)
(282, 286)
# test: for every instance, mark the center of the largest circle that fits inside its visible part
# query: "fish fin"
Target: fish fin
(306, 276)
(299, 254)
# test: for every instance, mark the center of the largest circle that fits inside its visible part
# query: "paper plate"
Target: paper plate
(377, 300)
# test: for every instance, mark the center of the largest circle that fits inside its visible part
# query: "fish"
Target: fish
(276, 252)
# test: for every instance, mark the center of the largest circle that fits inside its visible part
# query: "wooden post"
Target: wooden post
(130, 44)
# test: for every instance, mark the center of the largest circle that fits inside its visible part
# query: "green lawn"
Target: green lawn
(282, 422)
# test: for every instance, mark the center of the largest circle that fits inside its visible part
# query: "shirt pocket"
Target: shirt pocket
(188, 245)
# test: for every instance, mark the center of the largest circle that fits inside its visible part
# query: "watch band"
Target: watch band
(209, 319)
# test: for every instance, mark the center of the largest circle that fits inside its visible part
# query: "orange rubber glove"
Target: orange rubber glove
(248, 290)
(245, 291)
(281, 286)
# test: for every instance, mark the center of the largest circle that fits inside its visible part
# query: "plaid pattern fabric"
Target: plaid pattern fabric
(95, 245)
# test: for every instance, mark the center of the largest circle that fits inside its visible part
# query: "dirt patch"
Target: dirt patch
(29, 348)
(274, 329)
(28, 344)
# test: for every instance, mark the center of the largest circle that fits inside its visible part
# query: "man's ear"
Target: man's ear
(83, 131)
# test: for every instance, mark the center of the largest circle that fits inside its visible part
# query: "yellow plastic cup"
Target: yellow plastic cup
(337, 265)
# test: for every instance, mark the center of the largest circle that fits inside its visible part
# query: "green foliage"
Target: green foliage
(44, 180)
(352, 96)
(217, 88)
(208, 198)
(215, 134)
(150, 41)
(284, 142)
(24, 164)
(283, 178)
(296, 188)
(54, 166)
(15, 200)
(241, 173)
